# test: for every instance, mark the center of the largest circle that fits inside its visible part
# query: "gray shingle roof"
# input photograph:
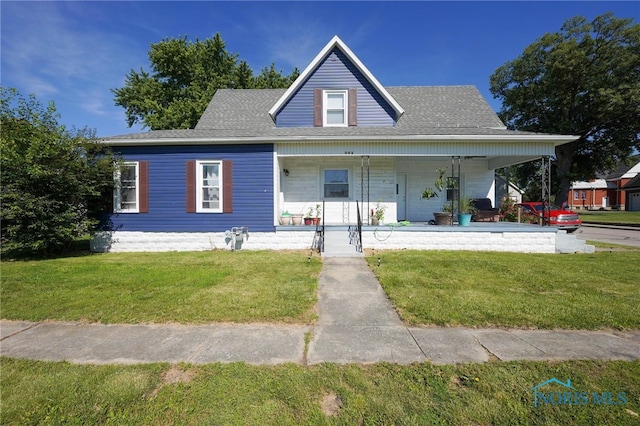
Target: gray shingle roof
(429, 111)
(444, 106)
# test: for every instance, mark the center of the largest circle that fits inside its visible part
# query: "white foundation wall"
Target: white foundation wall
(121, 241)
(515, 242)
(379, 239)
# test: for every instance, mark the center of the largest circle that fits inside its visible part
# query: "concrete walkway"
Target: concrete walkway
(356, 324)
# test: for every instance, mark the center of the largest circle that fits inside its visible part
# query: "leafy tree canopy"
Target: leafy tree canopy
(583, 80)
(184, 77)
(53, 179)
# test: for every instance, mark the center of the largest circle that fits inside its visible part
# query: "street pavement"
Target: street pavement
(613, 234)
(356, 324)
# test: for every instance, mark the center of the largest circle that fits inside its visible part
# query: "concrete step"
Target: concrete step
(568, 243)
(336, 244)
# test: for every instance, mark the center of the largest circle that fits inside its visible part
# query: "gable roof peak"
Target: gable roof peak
(335, 42)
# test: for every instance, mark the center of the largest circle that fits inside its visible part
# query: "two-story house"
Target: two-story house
(336, 137)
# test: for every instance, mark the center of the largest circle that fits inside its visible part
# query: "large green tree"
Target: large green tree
(53, 179)
(184, 77)
(583, 80)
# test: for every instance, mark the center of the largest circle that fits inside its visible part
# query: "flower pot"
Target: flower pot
(443, 218)
(285, 220)
(316, 220)
(308, 221)
(464, 219)
(296, 219)
(374, 221)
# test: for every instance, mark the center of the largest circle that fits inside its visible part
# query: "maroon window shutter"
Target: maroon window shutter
(227, 186)
(353, 107)
(143, 180)
(317, 107)
(191, 186)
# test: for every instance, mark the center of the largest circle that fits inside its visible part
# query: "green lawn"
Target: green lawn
(481, 289)
(610, 217)
(195, 287)
(34, 392)
(477, 289)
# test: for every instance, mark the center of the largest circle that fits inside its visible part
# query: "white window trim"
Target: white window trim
(350, 183)
(199, 208)
(116, 192)
(325, 103)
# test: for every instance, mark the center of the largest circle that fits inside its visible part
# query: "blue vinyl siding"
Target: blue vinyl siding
(252, 189)
(336, 72)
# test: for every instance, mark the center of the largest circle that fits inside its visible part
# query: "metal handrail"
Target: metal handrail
(355, 232)
(318, 236)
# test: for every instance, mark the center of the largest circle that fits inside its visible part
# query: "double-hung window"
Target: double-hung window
(336, 183)
(126, 194)
(335, 108)
(209, 186)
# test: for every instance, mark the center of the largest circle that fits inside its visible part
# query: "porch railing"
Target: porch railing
(355, 231)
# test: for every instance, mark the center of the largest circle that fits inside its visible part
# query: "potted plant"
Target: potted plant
(443, 217)
(308, 219)
(377, 214)
(285, 218)
(296, 218)
(318, 210)
(467, 210)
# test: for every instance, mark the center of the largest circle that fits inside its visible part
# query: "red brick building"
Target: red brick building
(607, 192)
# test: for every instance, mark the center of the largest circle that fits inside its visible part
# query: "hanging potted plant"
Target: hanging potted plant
(442, 217)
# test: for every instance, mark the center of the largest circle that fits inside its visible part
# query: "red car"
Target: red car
(563, 219)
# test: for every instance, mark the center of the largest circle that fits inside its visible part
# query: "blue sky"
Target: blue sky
(75, 52)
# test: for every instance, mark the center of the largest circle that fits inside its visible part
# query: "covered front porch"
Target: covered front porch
(392, 173)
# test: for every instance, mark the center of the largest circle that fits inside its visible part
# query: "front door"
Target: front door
(401, 196)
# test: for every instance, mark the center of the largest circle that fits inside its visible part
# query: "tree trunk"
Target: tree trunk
(564, 163)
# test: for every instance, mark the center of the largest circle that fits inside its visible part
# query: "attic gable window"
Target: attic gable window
(335, 108)
(335, 111)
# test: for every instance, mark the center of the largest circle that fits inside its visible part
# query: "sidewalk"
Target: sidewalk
(356, 324)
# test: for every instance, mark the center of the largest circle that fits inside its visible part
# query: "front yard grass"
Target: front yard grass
(482, 289)
(192, 287)
(609, 217)
(36, 392)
